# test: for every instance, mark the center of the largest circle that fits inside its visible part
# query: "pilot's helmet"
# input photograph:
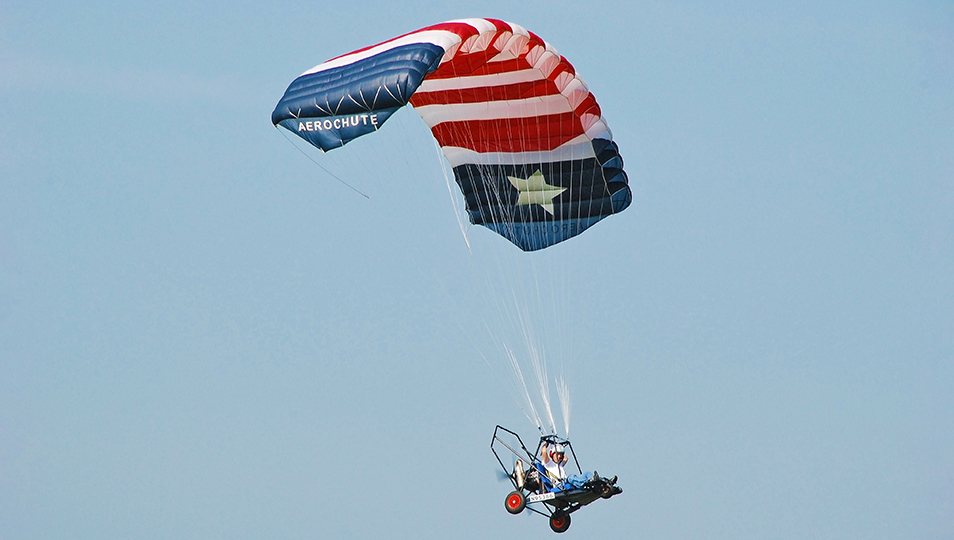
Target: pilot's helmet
(556, 449)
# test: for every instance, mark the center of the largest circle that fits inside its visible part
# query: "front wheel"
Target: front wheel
(560, 522)
(515, 502)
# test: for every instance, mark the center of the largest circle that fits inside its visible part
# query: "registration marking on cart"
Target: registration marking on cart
(541, 497)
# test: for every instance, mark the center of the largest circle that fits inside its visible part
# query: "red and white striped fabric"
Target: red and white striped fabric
(500, 78)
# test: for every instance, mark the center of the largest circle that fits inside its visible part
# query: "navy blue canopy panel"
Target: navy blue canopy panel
(332, 106)
(535, 205)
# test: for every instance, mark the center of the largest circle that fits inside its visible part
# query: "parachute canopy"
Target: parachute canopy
(529, 147)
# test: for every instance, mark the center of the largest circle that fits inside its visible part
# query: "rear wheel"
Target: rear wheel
(515, 502)
(560, 522)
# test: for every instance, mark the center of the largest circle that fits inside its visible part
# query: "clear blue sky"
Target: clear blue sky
(203, 335)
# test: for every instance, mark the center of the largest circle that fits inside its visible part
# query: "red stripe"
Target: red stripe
(446, 71)
(588, 106)
(502, 26)
(561, 68)
(539, 133)
(483, 94)
(566, 63)
(464, 64)
(460, 65)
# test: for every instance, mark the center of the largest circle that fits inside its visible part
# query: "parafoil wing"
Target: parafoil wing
(529, 147)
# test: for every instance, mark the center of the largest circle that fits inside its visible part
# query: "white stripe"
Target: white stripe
(489, 110)
(442, 38)
(482, 25)
(599, 130)
(514, 48)
(480, 81)
(579, 148)
(519, 30)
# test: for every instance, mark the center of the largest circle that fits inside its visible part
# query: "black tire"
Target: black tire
(515, 502)
(559, 522)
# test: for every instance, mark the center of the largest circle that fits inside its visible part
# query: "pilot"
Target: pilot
(553, 459)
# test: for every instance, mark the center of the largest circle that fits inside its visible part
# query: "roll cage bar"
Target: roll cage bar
(501, 433)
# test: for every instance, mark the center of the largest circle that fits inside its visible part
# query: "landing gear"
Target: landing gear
(559, 521)
(515, 502)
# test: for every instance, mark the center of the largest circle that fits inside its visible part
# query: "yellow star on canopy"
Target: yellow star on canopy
(535, 190)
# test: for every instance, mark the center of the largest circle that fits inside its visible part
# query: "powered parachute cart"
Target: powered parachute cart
(536, 489)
